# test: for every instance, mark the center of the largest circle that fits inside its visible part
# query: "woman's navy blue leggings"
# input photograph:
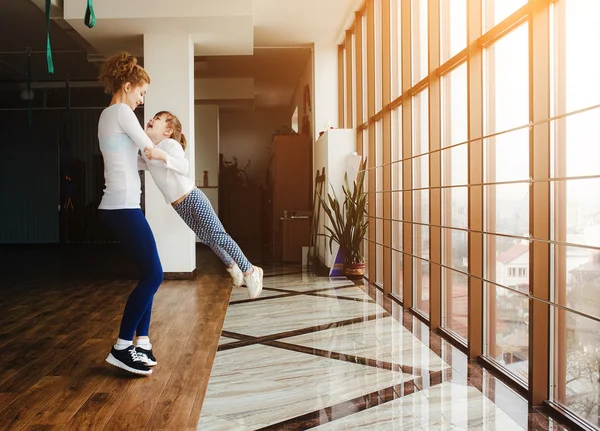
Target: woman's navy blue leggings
(133, 231)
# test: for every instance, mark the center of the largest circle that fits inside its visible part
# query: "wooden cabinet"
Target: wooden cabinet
(289, 184)
(295, 235)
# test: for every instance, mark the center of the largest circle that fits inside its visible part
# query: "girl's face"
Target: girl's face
(158, 127)
(134, 95)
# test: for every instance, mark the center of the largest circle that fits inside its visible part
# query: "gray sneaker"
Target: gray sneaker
(237, 275)
(254, 282)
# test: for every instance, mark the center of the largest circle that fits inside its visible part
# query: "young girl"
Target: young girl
(167, 163)
(121, 136)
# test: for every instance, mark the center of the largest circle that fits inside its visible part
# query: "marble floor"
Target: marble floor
(327, 354)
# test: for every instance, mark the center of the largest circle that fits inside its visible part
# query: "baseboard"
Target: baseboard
(180, 275)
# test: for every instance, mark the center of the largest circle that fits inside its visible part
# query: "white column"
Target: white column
(325, 103)
(169, 59)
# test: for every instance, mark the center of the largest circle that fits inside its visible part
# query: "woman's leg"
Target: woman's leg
(135, 235)
(144, 325)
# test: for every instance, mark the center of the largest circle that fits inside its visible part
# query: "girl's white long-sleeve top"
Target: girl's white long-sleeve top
(121, 136)
(171, 176)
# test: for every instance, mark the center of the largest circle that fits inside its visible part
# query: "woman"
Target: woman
(121, 136)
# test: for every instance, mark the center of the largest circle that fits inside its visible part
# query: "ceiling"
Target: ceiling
(276, 72)
(301, 22)
(268, 40)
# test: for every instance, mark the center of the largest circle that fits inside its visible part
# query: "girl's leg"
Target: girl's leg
(230, 265)
(135, 235)
(200, 216)
(221, 254)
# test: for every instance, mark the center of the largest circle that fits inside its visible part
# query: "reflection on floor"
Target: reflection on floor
(323, 353)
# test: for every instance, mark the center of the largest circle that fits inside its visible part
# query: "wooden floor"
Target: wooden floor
(60, 309)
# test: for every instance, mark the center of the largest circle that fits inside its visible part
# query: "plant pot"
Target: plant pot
(354, 271)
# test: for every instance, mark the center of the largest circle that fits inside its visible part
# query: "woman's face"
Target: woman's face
(134, 95)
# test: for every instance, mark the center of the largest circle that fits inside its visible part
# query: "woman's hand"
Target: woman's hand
(155, 154)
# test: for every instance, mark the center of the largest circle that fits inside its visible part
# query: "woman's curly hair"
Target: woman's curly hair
(120, 69)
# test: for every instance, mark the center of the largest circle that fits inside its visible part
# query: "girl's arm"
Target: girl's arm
(172, 155)
(130, 125)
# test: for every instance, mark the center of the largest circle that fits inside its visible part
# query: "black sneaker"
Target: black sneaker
(146, 356)
(128, 360)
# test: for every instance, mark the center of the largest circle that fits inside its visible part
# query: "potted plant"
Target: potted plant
(349, 223)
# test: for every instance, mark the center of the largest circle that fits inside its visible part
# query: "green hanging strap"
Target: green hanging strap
(29, 113)
(90, 16)
(49, 62)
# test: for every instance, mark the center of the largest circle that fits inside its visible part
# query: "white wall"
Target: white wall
(298, 99)
(325, 102)
(172, 89)
(224, 88)
(332, 151)
(207, 150)
(248, 135)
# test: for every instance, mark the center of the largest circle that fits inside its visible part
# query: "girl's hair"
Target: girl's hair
(120, 69)
(174, 124)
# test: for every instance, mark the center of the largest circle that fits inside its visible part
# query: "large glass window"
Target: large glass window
(453, 31)
(378, 56)
(420, 167)
(344, 87)
(420, 60)
(364, 142)
(365, 97)
(506, 174)
(485, 170)
(454, 205)
(381, 190)
(576, 208)
(495, 11)
(396, 48)
(397, 225)
(354, 109)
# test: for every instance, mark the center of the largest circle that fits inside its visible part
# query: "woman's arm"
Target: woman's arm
(130, 125)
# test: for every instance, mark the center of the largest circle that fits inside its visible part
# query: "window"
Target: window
(354, 74)
(453, 31)
(381, 187)
(495, 11)
(378, 56)
(295, 120)
(420, 60)
(454, 205)
(420, 162)
(576, 208)
(365, 89)
(397, 195)
(506, 200)
(396, 48)
(486, 166)
(364, 142)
